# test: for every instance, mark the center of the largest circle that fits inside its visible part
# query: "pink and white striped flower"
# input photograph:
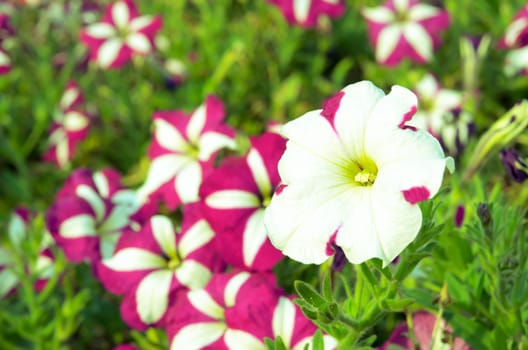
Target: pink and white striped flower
(234, 198)
(405, 29)
(232, 313)
(352, 174)
(151, 267)
(295, 330)
(183, 151)
(516, 34)
(426, 332)
(440, 112)
(5, 62)
(306, 13)
(91, 212)
(121, 34)
(515, 39)
(70, 126)
(516, 62)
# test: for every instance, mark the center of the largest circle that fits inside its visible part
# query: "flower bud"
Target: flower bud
(516, 167)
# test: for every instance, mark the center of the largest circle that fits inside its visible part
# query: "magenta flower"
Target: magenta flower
(5, 62)
(306, 13)
(516, 166)
(232, 312)
(515, 39)
(183, 151)
(91, 212)
(152, 266)
(405, 29)
(120, 35)
(516, 34)
(234, 198)
(70, 126)
(295, 330)
(125, 347)
(424, 330)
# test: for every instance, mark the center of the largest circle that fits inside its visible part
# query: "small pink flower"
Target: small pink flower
(5, 62)
(405, 29)
(70, 126)
(440, 112)
(120, 35)
(183, 151)
(234, 198)
(516, 34)
(232, 312)
(91, 212)
(152, 266)
(515, 40)
(424, 328)
(306, 13)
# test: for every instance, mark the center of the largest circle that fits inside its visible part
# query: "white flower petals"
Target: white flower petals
(152, 296)
(370, 218)
(204, 303)
(197, 336)
(131, 259)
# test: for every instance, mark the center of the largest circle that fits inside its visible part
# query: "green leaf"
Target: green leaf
(317, 341)
(308, 293)
(279, 344)
(269, 343)
(396, 305)
(327, 287)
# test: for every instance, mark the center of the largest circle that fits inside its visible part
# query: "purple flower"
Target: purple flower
(234, 198)
(152, 266)
(405, 29)
(121, 34)
(516, 166)
(306, 13)
(183, 151)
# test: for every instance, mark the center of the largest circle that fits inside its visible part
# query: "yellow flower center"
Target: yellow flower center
(365, 178)
(174, 262)
(402, 17)
(362, 171)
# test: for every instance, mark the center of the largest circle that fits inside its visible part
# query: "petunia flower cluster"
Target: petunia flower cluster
(201, 278)
(70, 126)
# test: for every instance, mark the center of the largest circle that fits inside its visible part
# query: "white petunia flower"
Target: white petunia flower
(352, 175)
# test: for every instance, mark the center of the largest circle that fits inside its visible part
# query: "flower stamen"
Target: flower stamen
(365, 178)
